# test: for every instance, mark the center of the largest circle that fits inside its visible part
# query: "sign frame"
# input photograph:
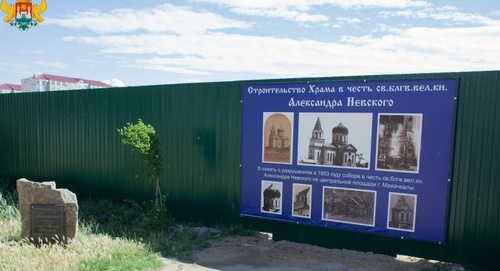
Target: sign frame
(383, 183)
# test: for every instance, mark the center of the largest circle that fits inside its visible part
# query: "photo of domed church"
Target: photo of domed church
(271, 197)
(336, 139)
(399, 137)
(277, 138)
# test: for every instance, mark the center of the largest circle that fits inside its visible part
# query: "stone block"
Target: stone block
(46, 195)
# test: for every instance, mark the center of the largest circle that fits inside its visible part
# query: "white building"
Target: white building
(10, 88)
(339, 153)
(49, 82)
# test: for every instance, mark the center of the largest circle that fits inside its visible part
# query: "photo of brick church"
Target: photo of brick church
(277, 138)
(399, 137)
(330, 144)
(302, 200)
(402, 209)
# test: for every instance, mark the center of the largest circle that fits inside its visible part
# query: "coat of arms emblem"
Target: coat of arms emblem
(23, 14)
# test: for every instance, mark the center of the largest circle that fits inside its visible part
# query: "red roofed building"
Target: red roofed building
(50, 82)
(10, 88)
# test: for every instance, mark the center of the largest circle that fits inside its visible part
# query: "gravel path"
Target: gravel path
(260, 253)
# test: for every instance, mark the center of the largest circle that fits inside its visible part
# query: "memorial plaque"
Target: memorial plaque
(48, 221)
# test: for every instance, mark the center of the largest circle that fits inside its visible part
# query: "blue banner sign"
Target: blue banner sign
(368, 156)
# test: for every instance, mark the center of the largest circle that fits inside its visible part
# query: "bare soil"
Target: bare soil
(261, 253)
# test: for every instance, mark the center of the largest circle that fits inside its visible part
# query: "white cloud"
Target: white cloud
(115, 82)
(13, 65)
(446, 13)
(302, 11)
(187, 46)
(345, 20)
(92, 62)
(342, 21)
(307, 4)
(412, 50)
(165, 18)
(50, 64)
(280, 12)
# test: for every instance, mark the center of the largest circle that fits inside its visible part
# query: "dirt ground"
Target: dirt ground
(260, 253)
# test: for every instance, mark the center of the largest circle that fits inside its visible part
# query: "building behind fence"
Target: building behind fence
(70, 137)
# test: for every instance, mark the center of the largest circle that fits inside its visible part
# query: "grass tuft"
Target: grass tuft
(127, 236)
(10, 217)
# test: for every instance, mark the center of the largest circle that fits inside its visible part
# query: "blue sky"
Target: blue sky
(134, 43)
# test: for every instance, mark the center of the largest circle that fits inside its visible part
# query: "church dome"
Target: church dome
(270, 192)
(340, 129)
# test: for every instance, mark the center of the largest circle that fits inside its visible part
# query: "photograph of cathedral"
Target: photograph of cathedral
(302, 200)
(335, 139)
(401, 215)
(277, 138)
(349, 205)
(271, 197)
(399, 137)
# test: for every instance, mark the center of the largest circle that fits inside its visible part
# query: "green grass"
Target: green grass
(10, 218)
(143, 222)
(91, 249)
(87, 252)
(113, 235)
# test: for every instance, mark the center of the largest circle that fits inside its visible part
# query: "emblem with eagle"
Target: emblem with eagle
(23, 14)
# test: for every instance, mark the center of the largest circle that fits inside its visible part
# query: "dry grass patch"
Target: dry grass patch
(126, 236)
(87, 252)
(90, 250)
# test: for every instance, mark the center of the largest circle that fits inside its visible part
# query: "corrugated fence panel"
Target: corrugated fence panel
(70, 137)
(474, 220)
(203, 138)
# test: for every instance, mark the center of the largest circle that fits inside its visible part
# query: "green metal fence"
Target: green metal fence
(70, 137)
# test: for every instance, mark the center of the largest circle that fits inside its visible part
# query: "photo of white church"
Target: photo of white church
(335, 139)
